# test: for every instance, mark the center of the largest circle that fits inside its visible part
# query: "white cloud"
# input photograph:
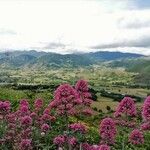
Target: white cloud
(66, 26)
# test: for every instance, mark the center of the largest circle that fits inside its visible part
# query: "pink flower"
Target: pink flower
(2, 141)
(126, 107)
(25, 144)
(136, 137)
(33, 115)
(104, 147)
(64, 94)
(59, 140)
(87, 101)
(78, 127)
(45, 117)
(145, 126)
(24, 109)
(64, 99)
(82, 86)
(38, 104)
(107, 130)
(86, 146)
(83, 92)
(77, 101)
(11, 126)
(72, 141)
(52, 118)
(10, 134)
(26, 121)
(11, 117)
(87, 112)
(46, 111)
(72, 112)
(4, 107)
(146, 109)
(45, 127)
(24, 102)
(25, 134)
(52, 104)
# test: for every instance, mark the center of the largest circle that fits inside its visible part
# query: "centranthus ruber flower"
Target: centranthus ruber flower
(45, 127)
(104, 147)
(25, 144)
(107, 131)
(64, 99)
(23, 108)
(26, 133)
(26, 121)
(72, 141)
(59, 140)
(83, 92)
(136, 137)
(78, 127)
(4, 107)
(64, 94)
(145, 126)
(126, 107)
(38, 104)
(87, 112)
(24, 102)
(146, 109)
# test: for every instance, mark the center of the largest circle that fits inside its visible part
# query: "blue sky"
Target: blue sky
(67, 26)
(142, 4)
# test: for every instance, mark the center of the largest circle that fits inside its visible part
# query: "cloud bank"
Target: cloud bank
(70, 26)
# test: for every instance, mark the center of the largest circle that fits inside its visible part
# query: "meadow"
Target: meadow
(33, 88)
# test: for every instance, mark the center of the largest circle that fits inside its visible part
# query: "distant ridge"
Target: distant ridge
(48, 59)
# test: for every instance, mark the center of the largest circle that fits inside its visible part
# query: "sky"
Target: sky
(67, 26)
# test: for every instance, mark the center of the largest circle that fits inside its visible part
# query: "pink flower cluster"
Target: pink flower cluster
(146, 109)
(25, 144)
(20, 124)
(4, 107)
(26, 121)
(145, 126)
(108, 131)
(83, 92)
(104, 147)
(78, 127)
(45, 127)
(38, 104)
(70, 102)
(126, 107)
(87, 112)
(64, 99)
(59, 140)
(72, 141)
(136, 137)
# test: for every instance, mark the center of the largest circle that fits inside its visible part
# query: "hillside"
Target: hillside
(107, 56)
(133, 65)
(46, 59)
(138, 65)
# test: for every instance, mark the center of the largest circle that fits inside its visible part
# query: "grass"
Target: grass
(16, 95)
(103, 102)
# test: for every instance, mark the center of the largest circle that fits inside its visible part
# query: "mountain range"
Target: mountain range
(31, 58)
